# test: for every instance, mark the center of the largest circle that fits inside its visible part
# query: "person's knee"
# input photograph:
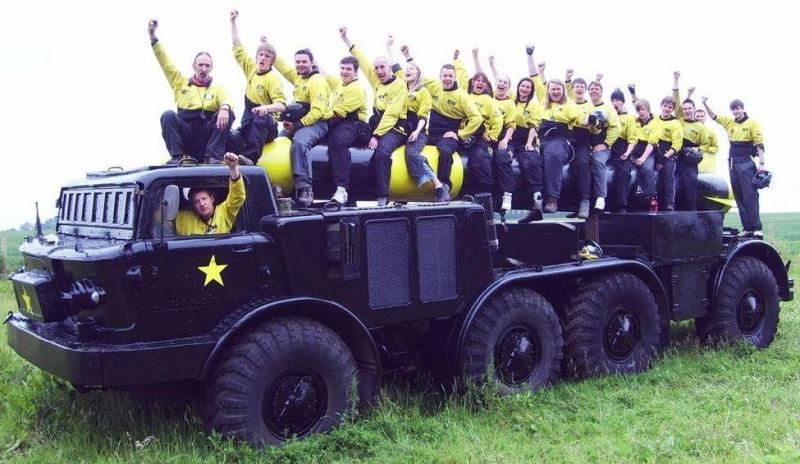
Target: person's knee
(169, 117)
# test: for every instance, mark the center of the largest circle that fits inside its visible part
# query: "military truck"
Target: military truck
(298, 315)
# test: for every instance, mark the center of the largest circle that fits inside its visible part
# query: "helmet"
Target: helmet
(693, 155)
(598, 119)
(294, 111)
(762, 179)
(590, 251)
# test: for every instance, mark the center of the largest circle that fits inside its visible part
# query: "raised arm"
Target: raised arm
(532, 69)
(364, 63)
(710, 112)
(462, 76)
(234, 29)
(477, 61)
(676, 94)
(493, 67)
(632, 90)
(174, 77)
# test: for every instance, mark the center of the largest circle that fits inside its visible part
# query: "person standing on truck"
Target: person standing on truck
(389, 115)
(349, 113)
(620, 156)
(746, 142)
(202, 124)
(418, 114)
(206, 217)
(695, 143)
(262, 99)
(454, 118)
(313, 94)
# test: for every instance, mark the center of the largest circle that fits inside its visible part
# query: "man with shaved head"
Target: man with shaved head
(388, 121)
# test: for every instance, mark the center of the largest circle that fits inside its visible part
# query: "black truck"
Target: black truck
(297, 315)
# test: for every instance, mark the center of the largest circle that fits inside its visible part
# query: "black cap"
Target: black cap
(618, 95)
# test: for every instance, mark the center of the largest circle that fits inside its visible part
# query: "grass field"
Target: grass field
(732, 404)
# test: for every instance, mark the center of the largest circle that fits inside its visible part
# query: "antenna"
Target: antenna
(39, 233)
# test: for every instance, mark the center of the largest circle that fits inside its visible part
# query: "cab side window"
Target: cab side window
(203, 209)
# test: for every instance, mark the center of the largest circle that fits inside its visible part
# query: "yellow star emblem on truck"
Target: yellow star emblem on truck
(27, 299)
(213, 271)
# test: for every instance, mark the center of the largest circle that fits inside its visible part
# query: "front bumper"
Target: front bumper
(55, 350)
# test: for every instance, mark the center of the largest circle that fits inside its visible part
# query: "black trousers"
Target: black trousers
(531, 169)
(555, 151)
(255, 132)
(341, 137)
(742, 173)
(501, 169)
(666, 180)
(195, 136)
(382, 159)
(621, 181)
(686, 175)
(446, 146)
(580, 169)
(479, 168)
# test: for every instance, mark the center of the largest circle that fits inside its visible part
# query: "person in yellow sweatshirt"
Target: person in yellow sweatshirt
(709, 162)
(620, 158)
(480, 159)
(558, 117)
(349, 114)
(419, 105)
(262, 99)
(668, 135)
(453, 117)
(389, 115)
(746, 143)
(208, 217)
(641, 150)
(580, 167)
(695, 145)
(313, 93)
(604, 129)
(202, 124)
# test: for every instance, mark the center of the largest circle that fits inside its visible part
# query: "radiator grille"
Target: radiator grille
(104, 212)
(388, 246)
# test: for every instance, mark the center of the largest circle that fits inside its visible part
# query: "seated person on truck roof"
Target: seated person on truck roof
(206, 217)
(201, 126)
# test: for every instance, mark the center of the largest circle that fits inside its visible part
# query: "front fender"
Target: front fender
(340, 319)
(769, 255)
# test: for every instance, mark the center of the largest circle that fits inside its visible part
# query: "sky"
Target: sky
(83, 91)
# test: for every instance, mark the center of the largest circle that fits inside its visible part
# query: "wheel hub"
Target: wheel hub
(622, 334)
(750, 312)
(294, 404)
(516, 356)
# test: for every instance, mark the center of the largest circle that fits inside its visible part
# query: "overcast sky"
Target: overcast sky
(83, 90)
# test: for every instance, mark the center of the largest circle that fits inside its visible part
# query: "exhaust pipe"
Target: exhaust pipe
(485, 200)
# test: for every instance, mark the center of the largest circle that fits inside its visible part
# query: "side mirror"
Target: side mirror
(170, 203)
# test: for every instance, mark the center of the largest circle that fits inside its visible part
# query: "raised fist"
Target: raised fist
(234, 15)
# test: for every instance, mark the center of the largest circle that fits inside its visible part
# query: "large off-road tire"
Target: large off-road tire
(283, 378)
(611, 326)
(746, 306)
(514, 341)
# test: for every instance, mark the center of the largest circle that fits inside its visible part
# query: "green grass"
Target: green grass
(732, 404)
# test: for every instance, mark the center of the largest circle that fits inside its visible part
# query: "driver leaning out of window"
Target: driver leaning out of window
(206, 217)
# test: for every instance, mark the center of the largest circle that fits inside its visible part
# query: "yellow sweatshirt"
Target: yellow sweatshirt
(609, 134)
(667, 134)
(348, 99)
(452, 109)
(508, 109)
(745, 130)
(492, 118)
(187, 95)
(313, 90)
(391, 98)
(528, 115)
(262, 89)
(189, 223)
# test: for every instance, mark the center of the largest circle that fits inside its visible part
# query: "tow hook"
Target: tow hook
(8, 318)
